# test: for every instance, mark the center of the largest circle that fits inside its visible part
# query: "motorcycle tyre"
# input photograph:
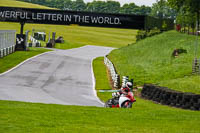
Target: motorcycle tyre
(127, 106)
(108, 104)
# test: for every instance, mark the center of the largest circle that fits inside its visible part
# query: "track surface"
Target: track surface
(58, 77)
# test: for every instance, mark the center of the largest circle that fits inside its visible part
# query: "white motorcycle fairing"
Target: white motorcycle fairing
(123, 99)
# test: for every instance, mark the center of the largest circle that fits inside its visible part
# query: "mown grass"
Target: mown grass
(14, 3)
(17, 57)
(150, 61)
(145, 116)
(101, 78)
(74, 35)
(185, 84)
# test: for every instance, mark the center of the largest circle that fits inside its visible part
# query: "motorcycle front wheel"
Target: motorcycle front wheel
(108, 104)
(127, 104)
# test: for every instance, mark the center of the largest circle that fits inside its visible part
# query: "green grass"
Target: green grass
(145, 116)
(68, 45)
(14, 3)
(17, 57)
(150, 61)
(102, 79)
(186, 84)
(74, 36)
(100, 72)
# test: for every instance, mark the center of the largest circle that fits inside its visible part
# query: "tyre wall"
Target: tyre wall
(170, 97)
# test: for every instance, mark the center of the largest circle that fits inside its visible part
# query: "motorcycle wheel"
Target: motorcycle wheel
(108, 104)
(127, 104)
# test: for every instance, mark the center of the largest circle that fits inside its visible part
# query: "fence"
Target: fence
(113, 73)
(34, 42)
(7, 42)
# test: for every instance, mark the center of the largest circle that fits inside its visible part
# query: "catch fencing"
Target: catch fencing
(7, 42)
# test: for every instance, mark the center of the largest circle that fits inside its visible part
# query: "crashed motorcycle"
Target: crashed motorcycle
(120, 100)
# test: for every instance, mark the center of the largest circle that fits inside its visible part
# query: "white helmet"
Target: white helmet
(129, 85)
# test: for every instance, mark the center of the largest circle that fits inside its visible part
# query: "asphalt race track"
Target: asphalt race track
(57, 77)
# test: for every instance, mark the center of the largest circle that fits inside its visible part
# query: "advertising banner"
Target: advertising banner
(60, 17)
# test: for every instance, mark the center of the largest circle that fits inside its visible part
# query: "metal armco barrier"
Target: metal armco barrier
(7, 42)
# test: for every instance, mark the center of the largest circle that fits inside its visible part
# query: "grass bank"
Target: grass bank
(150, 61)
(145, 116)
(17, 57)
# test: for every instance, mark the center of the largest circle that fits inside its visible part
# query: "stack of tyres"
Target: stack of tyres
(157, 94)
(179, 99)
(165, 97)
(187, 101)
(170, 97)
(196, 102)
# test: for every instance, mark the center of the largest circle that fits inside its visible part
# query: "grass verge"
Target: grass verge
(17, 57)
(150, 61)
(102, 79)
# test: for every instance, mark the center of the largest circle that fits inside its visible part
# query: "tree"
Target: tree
(78, 5)
(128, 8)
(112, 6)
(192, 6)
(67, 5)
(161, 9)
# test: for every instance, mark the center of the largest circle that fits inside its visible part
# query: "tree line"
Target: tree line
(185, 12)
(188, 13)
(95, 6)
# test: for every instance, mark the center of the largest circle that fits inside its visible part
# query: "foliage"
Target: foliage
(94, 6)
(188, 10)
(141, 34)
(103, 7)
(161, 9)
(164, 25)
(134, 9)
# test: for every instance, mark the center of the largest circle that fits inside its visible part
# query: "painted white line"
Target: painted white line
(23, 63)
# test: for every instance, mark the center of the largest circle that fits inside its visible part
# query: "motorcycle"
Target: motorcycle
(120, 101)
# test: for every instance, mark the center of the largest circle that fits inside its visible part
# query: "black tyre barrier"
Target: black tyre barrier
(170, 97)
